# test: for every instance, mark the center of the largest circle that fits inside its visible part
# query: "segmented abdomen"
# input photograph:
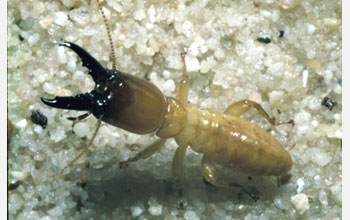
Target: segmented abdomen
(234, 142)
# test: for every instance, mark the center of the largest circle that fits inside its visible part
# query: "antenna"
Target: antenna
(84, 150)
(87, 114)
(108, 33)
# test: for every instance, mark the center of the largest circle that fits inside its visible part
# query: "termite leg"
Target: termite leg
(79, 118)
(291, 148)
(241, 107)
(279, 181)
(209, 173)
(84, 150)
(177, 169)
(183, 87)
(147, 152)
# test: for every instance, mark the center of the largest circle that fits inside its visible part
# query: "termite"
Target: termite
(138, 106)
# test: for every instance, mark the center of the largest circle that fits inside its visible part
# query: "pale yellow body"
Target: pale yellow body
(225, 139)
(222, 138)
(234, 142)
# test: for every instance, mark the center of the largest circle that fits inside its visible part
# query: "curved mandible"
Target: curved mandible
(80, 102)
(96, 70)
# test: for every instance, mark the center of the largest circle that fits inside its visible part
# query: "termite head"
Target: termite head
(118, 99)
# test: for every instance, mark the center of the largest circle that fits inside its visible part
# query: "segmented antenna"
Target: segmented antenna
(84, 150)
(85, 115)
(108, 33)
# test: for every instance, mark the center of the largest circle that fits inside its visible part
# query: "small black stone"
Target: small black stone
(329, 103)
(281, 33)
(20, 38)
(264, 40)
(39, 118)
(14, 186)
